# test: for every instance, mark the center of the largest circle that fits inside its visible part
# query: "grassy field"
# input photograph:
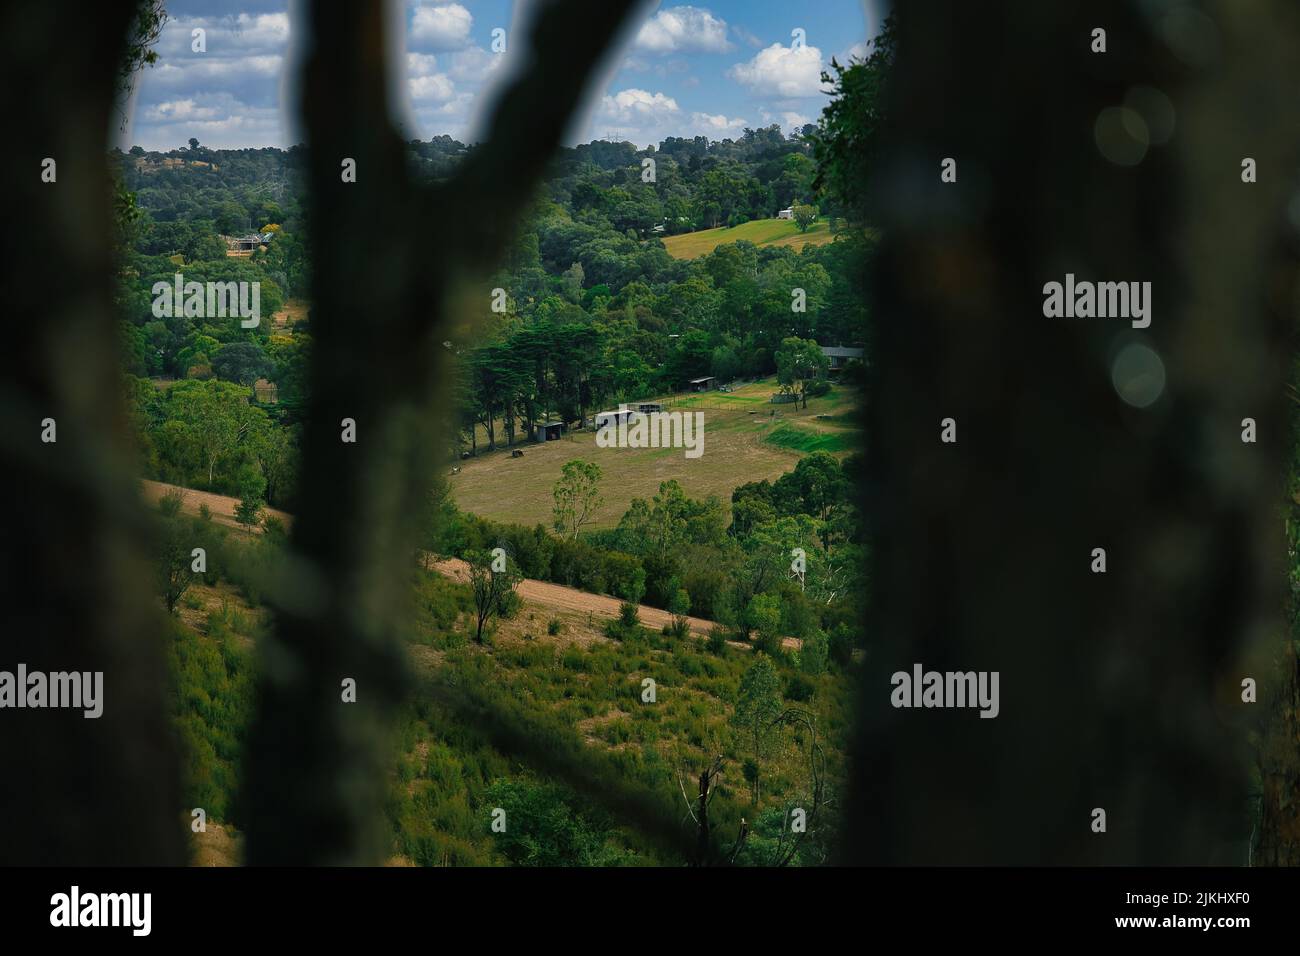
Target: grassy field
(761, 232)
(745, 439)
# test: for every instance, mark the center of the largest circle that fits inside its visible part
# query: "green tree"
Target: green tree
(799, 363)
(577, 496)
(804, 216)
(212, 418)
(249, 511)
(493, 581)
(173, 560)
(763, 616)
(813, 654)
(242, 362)
(845, 144)
(680, 607)
(758, 709)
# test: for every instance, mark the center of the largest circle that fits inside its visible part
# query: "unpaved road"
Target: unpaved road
(539, 592)
(571, 599)
(221, 506)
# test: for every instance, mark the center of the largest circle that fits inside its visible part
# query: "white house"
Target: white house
(786, 213)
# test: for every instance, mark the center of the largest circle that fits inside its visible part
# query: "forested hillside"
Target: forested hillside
(757, 539)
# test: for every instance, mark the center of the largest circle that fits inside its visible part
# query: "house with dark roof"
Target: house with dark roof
(839, 357)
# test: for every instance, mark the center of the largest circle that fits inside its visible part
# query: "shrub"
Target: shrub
(629, 615)
(554, 626)
(511, 602)
(170, 503)
(812, 656)
(799, 688)
(841, 645)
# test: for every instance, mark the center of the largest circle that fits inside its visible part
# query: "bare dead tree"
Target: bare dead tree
(816, 798)
(705, 792)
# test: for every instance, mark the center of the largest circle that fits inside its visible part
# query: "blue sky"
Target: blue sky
(682, 69)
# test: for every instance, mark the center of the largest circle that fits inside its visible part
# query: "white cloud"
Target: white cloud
(436, 87)
(444, 27)
(716, 126)
(473, 63)
(638, 116)
(683, 30)
(789, 120)
(219, 120)
(243, 34)
(631, 106)
(782, 71)
(199, 71)
(180, 110)
(421, 64)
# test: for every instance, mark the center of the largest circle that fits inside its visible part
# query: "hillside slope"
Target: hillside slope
(761, 232)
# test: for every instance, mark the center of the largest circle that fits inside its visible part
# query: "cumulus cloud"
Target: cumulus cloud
(219, 120)
(263, 66)
(442, 27)
(683, 30)
(636, 106)
(243, 34)
(180, 110)
(716, 126)
(473, 63)
(421, 64)
(789, 120)
(783, 71)
(436, 87)
(636, 115)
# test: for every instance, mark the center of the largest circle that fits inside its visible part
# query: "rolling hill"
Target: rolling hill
(761, 232)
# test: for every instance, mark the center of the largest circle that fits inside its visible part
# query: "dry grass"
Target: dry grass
(220, 845)
(222, 506)
(295, 310)
(502, 488)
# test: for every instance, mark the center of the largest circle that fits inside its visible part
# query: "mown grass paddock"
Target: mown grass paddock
(746, 438)
(761, 232)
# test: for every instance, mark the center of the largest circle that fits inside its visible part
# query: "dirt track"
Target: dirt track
(221, 506)
(539, 592)
(571, 599)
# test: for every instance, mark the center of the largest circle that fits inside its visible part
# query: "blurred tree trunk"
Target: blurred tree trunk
(73, 790)
(1121, 690)
(385, 249)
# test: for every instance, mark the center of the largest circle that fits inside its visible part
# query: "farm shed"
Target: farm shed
(548, 431)
(703, 384)
(613, 419)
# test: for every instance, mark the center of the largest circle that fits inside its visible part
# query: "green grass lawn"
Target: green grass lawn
(761, 232)
(805, 441)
